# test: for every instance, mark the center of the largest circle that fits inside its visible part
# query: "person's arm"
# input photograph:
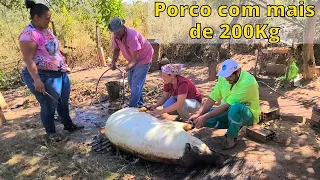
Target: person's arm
(116, 53)
(217, 111)
(134, 60)
(165, 96)
(177, 105)
(205, 107)
(28, 50)
(201, 120)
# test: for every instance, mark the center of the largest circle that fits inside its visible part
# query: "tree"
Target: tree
(107, 9)
(308, 42)
(11, 4)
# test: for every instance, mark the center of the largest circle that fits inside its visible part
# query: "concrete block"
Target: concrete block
(261, 134)
(269, 114)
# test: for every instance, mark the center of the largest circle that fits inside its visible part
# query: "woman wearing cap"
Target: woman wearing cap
(180, 95)
(45, 71)
(240, 106)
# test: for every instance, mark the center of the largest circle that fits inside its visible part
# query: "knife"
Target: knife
(52, 97)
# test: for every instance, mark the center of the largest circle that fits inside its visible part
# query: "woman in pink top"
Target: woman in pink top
(180, 95)
(45, 71)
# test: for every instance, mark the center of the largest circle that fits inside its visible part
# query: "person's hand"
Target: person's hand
(39, 86)
(124, 74)
(200, 121)
(127, 68)
(68, 70)
(193, 117)
(155, 113)
(153, 107)
(113, 66)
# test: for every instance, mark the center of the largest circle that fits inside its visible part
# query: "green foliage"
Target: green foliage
(12, 4)
(140, 16)
(135, 22)
(108, 9)
(64, 5)
(10, 80)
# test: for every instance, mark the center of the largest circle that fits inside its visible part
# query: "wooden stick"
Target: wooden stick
(98, 37)
(2, 118)
(257, 58)
(53, 29)
(3, 104)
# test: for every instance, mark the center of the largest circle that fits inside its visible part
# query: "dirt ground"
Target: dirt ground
(25, 154)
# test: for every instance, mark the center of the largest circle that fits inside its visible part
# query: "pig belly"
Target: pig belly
(147, 137)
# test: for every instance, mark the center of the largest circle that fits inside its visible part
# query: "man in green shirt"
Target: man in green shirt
(239, 94)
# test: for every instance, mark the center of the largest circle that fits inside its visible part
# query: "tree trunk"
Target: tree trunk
(308, 38)
(212, 70)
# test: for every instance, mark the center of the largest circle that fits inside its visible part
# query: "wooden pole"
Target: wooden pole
(98, 37)
(53, 29)
(3, 104)
(101, 57)
(257, 59)
(2, 118)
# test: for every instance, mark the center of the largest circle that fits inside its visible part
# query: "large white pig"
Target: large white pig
(161, 141)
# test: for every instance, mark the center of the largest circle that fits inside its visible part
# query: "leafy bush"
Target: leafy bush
(10, 80)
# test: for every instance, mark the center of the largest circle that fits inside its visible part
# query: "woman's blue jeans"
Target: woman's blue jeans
(57, 84)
